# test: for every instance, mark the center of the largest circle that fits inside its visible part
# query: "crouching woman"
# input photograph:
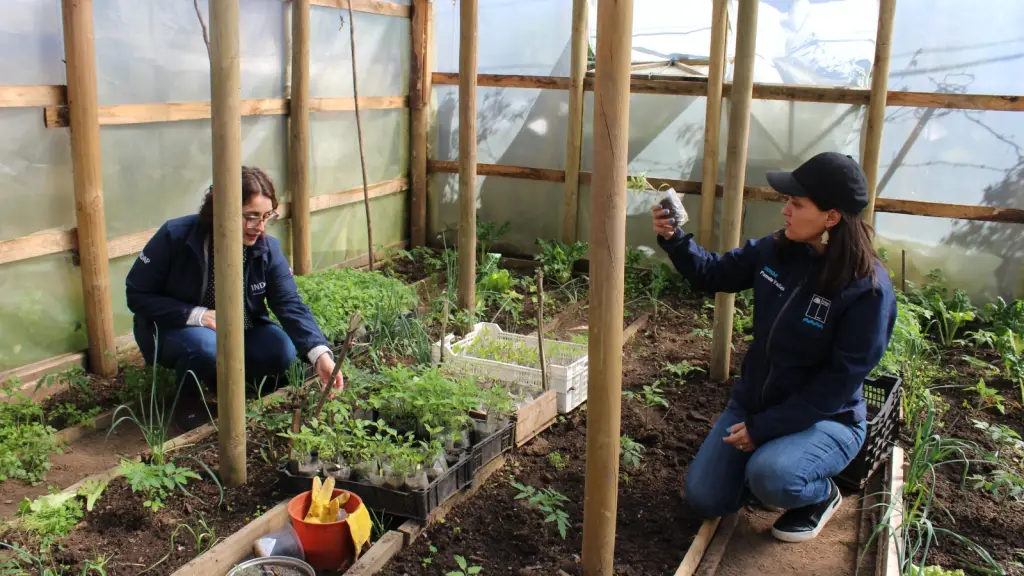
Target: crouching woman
(824, 311)
(171, 289)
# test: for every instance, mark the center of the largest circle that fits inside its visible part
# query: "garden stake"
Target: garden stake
(540, 328)
(353, 327)
(296, 420)
(903, 271)
(444, 328)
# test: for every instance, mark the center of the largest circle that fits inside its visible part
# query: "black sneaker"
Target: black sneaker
(803, 524)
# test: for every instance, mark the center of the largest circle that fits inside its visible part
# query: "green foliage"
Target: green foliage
(156, 481)
(631, 452)
(557, 259)
(638, 183)
(75, 379)
(72, 415)
(334, 294)
(651, 395)
(951, 315)
(1011, 348)
(26, 442)
(681, 370)
(915, 570)
(518, 352)
(548, 501)
(487, 233)
(50, 517)
(465, 568)
(987, 397)
(91, 490)
(743, 313)
(1001, 483)
(558, 461)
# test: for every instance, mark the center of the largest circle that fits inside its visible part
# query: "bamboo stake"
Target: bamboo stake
(574, 140)
(876, 107)
(735, 172)
(296, 422)
(298, 149)
(608, 246)
(903, 271)
(467, 155)
(420, 104)
(540, 329)
(225, 84)
(359, 133)
(444, 327)
(353, 327)
(80, 55)
(713, 121)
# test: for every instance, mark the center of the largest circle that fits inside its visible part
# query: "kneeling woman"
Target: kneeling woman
(824, 311)
(171, 289)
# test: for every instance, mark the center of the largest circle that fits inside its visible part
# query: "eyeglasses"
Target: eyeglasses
(253, 220)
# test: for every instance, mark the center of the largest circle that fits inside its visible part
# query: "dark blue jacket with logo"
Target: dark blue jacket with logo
(169, 276)
(810, 353)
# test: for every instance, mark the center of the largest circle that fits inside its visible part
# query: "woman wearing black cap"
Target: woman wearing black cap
(824, 311)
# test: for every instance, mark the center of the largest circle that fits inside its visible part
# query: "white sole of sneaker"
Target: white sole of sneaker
(797, 537)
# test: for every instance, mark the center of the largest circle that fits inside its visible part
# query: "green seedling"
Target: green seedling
(557, 460)
(631, 452)
(464, 568)
(547, 501)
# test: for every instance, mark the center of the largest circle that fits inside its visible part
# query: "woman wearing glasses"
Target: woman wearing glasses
(171, 289)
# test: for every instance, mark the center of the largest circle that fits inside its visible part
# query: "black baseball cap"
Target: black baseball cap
(831, 180)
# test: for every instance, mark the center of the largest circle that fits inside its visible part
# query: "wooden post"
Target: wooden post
(876, 106)
(574, 140)
(607, 269)
(298, 145)
(467, 154)
(735, 173)
(419, 101)
(225, 85)
(80, 55)
(713, 121)
(540, 329)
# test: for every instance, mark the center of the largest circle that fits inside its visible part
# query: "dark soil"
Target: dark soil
(71, 406)
(408, 269)
(654, 528)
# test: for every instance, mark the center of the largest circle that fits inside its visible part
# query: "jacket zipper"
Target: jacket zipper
(768, 344)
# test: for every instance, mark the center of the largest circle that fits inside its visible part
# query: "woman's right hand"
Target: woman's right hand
(664, 225)
(210, 320)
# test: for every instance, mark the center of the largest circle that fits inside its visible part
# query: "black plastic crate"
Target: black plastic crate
(415, 504)
(492, 446)
(883, 396)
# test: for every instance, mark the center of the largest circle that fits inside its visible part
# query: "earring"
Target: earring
(824, 236)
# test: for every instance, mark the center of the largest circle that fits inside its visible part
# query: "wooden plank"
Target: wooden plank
(378, 555)
(540, 174)
(237, 547)
(368, 6)
(891, 533)
(364, 260)
(719, 544)
(681, 86)
(98, 424)
(635, 327)
(696, 550)
(32, 96)
(121, 114)
(39, 244)
(129, 243)
(355, 195)
(536, 417)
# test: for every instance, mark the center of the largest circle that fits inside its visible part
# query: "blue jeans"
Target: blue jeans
(268, 352)
(787, 472)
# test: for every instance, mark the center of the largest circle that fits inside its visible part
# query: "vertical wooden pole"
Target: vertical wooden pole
(419, 99)
(607, 261)
(225, 85)
(467, 154)
(713, 121)
(876, 106)
(80, 56)
(735, 173)
(574, 140)
(359, 136)
(298, 145)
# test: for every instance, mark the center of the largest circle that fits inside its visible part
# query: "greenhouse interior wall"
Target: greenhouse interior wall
(151, 52)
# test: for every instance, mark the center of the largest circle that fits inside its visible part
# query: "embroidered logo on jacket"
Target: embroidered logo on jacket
(143, 257)
(258, 288)
(772, 276)
(817, 311)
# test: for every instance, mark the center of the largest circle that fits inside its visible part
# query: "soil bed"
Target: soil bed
(654, 527)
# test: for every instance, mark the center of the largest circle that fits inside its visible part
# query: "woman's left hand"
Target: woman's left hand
(324, 368)
(739, 438)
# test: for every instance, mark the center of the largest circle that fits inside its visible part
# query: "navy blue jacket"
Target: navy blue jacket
(168, 278)
(810, 353)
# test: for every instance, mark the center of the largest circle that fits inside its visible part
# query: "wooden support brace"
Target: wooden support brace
(298, 141)
(467, 155)
(574, 138)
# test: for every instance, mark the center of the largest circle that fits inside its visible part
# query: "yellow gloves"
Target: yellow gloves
(360, 525)
(323, 509)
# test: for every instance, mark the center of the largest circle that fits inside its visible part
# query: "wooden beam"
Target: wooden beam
(382, 551)
(680, 86)
(467, 154)
(541, 174)
(57, 116)
(39, 244)
(713, 121)
(607, 261)
(225, 87)
(891, 534)
(574, 139)
(697, 548)
(368, 6)
(716, 549)
(298, 141)
(80, 56)
(735, 173)
(32, 96)
(355, 195)
(876, 108)
(419, 100)
(238, 546)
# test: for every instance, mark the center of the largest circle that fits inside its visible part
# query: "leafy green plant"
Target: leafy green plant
(558, 461)
(427, 560)
(631, 452)
(638, 183)
(50, 517)
(155, 481)
(1011, 348)
(650, 395)
(557, 258)
(334, 294)
(915, 570)
(75, 379)
(91, 490)
(465, 568)
(26, 442)
(1002, 484)
(951, 315)
(71, 415)
(487, 233)
(681, 370)
(987, 397)
(547, 501)
(705, 333)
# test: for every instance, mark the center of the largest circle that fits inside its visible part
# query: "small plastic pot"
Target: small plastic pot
(364, 470)
(338, 471)
(284, 542)
(417, 481)
(394, 480)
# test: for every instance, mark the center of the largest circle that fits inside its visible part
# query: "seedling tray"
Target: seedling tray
(883, 396)
(566, 362)
(492, 446)
(415, 504)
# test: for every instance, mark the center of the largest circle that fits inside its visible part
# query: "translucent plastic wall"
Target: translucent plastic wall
(150, 52)
(961, 157)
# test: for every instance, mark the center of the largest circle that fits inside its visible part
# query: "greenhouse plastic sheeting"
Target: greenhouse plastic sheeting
(151, 52)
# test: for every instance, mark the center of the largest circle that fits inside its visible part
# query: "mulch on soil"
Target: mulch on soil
(654, 527)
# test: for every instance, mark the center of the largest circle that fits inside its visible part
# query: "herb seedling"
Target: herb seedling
(465, 568)
(548, 501)
(681, 370)
(631, 452)
(558, 461)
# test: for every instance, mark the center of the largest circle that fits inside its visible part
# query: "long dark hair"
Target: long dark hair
(254, 182)
(849, 255)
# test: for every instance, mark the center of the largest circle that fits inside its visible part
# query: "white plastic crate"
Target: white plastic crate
(566, 362)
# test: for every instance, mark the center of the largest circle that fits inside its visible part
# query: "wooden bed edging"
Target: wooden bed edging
(715, 551)
(237, 547)
(888, 558)
(697, 548)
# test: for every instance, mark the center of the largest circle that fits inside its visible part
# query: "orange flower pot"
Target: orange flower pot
(327, 546)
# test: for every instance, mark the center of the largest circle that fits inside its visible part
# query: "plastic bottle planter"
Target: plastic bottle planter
(410, 502)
